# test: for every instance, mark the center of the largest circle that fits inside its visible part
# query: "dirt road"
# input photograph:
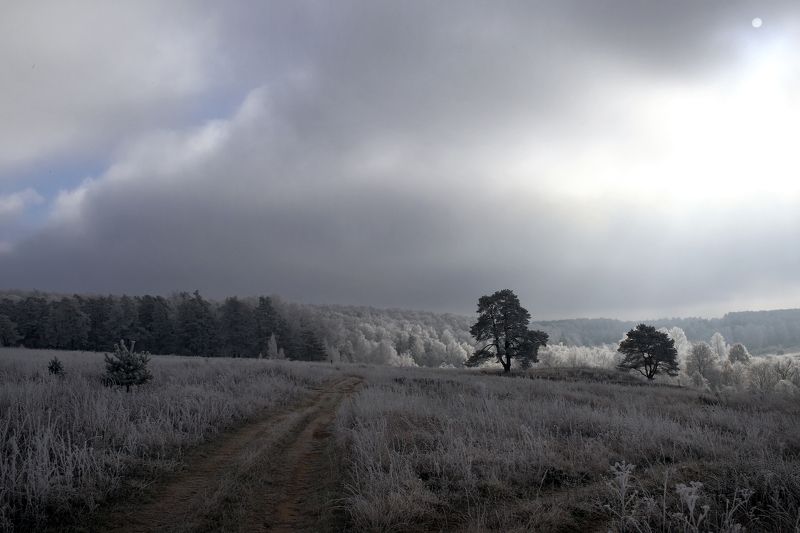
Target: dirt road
(275, 474)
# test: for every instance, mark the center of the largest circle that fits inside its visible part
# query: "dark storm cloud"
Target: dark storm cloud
(372, 167)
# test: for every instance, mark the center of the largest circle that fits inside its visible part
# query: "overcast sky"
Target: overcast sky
(600, 157)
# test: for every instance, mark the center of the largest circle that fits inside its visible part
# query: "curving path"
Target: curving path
(275, 474)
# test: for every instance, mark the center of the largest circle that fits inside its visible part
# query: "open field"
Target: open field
(433, 450)
(240, 444)
(69, 444)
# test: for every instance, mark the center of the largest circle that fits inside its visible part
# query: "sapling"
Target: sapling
(125, 367)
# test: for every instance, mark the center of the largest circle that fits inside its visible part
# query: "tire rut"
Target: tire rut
(275, 474)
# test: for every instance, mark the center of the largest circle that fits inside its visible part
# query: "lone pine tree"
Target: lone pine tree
(502, 332)
(649, 352)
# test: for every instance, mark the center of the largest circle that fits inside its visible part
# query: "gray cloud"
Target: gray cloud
(78, 78)
(419, 155)
(14, 204)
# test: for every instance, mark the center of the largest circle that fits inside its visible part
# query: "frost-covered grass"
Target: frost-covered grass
(567, 449)
(68, 443)
(454, 450)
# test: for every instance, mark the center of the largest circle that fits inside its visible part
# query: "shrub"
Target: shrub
(763, 377)
(127, 367)
(55, 367)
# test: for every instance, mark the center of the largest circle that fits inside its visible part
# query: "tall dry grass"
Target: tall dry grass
(67, 444)
(430, 450)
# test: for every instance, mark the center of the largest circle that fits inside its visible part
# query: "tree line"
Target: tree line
(761, 331)
(183, 324)
(187, 323)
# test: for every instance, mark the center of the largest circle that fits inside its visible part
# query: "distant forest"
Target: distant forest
(761, 331)
(189, 324)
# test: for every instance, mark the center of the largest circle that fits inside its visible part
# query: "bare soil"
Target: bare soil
(277, 473)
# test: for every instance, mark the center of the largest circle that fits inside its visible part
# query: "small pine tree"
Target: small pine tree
(55, 367)
(127, 367)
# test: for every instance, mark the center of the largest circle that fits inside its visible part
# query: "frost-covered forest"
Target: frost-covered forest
(762, 332)
(189, 324)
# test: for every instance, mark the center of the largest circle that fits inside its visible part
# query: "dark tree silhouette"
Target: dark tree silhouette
(312, 348)
(236, 328)
(67, 327)
(8, 332)
(502, 332)
(123, 319)
(32, 317)
(196, 327)
(156, 325)
(101, 336)
(266, 320)
(649, 352)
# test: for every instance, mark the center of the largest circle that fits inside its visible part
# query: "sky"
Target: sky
(611, 158)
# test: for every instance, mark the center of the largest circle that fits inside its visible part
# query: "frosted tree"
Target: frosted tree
(733, 374)
(384, 353)
(762, 377)
(417, 349)
(738, 354)
(333, 353)
(682, 344)
(447, 337)
(362, 348)
(702, 360)
(435, 353)
(719, 346)
(456, 353)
